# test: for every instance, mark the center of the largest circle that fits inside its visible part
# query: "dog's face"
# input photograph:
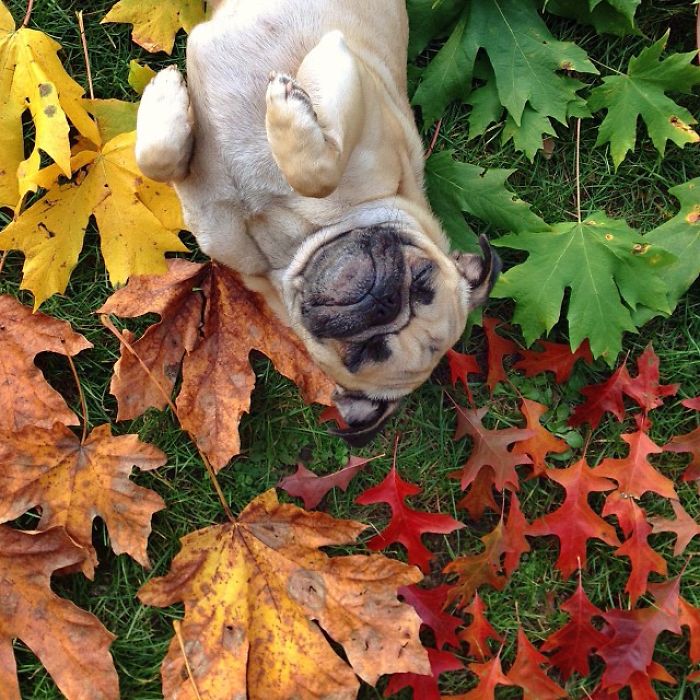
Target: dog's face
(377, 308)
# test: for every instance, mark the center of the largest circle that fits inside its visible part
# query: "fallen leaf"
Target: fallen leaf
(311, 488)
(554, 357)
(684, 527)
(139, 76)
(156, 22)
(645, 388)
(406, 525)
(73, 483)
(26, 398)
(643, 558)
(71, 643)
(602, 398)
(490, 675)
(34, 79)
(573, 643)
(461, 366)
(429, 603)
(527, 672)
(252, 590)
(425, 687)
(542, 441)
(489, 450)
(477, 633)
(138, 220)
(690, 442)
(479, 495)
(498, 348)
(692, 403)
(474, 570)
(515, 543)
(634, 474)
(217, 379)
(575, 522)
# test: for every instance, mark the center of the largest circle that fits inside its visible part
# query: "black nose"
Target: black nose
(386, 308)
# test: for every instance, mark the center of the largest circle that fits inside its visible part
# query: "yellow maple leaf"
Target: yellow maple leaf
(156, 22)
(252, 590)
(138, 220)
(33, 78)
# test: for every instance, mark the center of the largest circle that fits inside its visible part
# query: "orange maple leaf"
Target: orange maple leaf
(252, 589)
(212, 321)
(71, 643)
(74, 482)
(26, 398)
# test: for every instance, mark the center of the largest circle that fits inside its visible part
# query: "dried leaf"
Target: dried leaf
(498, 348)
(311, 488)
(251, 590)
(601, 398)
(542, 441)
(527, 673)
(689, 442)
(684, 527)
(461, 366)
(72, 644)
(217, 379)
(26, 398)
(554, 357)
(425, 687)
(429, 603)
(477, 633)
(74, 483)
(490, 675)
(645, 388)
(406, 525)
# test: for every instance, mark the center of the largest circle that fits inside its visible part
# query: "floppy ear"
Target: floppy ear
(365, 416)
(480, 272)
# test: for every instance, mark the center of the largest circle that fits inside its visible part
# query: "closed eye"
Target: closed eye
(421, 287)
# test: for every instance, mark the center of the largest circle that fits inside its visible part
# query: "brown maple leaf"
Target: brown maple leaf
(253, 588)
(212, 321)
(26, 398)
(71, 643)
(74, 482)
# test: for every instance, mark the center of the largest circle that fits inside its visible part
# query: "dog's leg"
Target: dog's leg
(314, 121)
(164, 138)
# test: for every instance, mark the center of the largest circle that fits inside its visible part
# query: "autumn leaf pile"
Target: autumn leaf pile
(546, 469)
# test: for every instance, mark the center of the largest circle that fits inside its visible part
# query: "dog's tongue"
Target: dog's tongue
(354, 283)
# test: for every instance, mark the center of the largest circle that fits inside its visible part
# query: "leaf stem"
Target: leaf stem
(433, 141)
(3, 259)
(83, 404)
(83, 39)
(107, 323)
(177, 626)
(28, 14)
(578, 170)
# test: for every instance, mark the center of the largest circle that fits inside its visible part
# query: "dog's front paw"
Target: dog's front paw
(286, 96)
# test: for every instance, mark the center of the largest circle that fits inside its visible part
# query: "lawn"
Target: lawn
(280, 430)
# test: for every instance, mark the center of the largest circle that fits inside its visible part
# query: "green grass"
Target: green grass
(280, 428)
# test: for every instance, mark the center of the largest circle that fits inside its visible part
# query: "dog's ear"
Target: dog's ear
(481, 272)
(365, 416)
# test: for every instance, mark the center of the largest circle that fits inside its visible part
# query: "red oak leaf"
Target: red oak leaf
(425, 687)
(684, 527)
(406, 525)
(429, 603)
(574, 522)
(692, 403)
(499, 347)
(643, 558)
(690, 618)
(601, 398)
(515, 543)
(477, 633)
(461, 366)
(542, 442)
(632, 637)
(489, 450)
(634, 474)
(474, 570)
(690, 442)
(645, 388)
(577, 639)
(479, 496)
(527, 673)
(331, 413)
(490, 675)
(640, 683)
(555, 357)
(312, 488)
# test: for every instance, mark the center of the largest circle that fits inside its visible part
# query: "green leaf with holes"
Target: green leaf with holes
(609, 269)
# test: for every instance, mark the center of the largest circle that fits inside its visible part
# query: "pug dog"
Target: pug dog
(294, 152)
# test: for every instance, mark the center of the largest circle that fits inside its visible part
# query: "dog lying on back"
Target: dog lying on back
(295, 155)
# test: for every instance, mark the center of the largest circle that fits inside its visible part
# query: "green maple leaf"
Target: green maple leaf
(609, 268)
(525, 57)
(429, 20)
(680, 236)
(456, 188)
(607, 16)
(642, 92)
